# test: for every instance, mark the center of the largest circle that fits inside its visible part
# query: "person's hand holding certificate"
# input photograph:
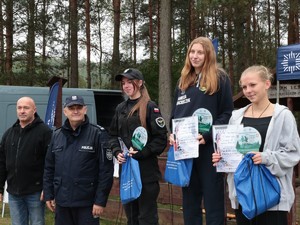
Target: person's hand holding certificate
(185, 131)
(225, 139)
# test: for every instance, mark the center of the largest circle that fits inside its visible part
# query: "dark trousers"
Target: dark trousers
(143, 211)
(266, 218)
(206, 185)
(75, 216)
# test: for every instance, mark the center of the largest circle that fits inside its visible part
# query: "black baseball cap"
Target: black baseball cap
(131, 74)
(74, 100)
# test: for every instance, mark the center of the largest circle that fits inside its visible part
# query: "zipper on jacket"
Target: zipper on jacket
(102, 148)
(17, 156)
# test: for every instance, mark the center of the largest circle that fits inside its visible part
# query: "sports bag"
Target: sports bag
(256, 188)
(178, 172)
(130, 183)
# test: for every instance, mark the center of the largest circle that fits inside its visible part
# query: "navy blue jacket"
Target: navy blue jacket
(219, 104)
(78, 167)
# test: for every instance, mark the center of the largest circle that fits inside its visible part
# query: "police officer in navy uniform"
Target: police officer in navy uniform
(78, 173)
(135, 112)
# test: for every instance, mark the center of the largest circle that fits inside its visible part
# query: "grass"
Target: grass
(49, 218)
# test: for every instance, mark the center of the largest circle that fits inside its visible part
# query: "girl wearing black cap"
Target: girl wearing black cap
(135, 112)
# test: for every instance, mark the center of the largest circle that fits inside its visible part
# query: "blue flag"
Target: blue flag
(51, 107)
(288, 62)
(215, 43)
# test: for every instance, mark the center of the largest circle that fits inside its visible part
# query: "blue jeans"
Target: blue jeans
(26, 209)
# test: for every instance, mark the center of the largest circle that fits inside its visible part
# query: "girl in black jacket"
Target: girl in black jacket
(203, 86)
(139, 111)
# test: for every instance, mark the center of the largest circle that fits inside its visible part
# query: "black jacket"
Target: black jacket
(79, 166)
(123, 126)
(22, 156)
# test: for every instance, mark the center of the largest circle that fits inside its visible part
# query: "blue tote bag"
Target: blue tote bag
(178, 172)
(256, 188)
(131, 184)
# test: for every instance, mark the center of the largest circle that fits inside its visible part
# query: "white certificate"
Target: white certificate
(185, 131)
(225, 138)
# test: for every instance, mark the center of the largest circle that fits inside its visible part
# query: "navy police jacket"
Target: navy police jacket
(78, 167)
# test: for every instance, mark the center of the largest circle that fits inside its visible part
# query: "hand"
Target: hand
(120, 158)
(257, 158)
(216, 157)
(132, 151)
(97, 210)
(42, 196)
(201, 139)
(51, 205)
(172, 139)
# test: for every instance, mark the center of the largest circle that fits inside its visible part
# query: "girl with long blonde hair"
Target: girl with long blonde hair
(203, 87)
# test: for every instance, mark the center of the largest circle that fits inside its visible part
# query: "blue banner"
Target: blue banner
(215, 43)
(288, 62)
(51, 107)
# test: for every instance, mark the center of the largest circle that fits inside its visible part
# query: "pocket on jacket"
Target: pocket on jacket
(57, 149)
(56, 184)
(84, 189)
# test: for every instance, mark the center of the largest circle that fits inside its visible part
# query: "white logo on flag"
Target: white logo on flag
(291, 62)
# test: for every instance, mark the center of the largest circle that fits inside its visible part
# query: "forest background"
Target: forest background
(88, 42)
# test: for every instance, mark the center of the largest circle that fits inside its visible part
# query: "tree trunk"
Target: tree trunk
(254, 36)
(193, 18)
(9, 42)
(74, 43)
(247, 51)
(277, 23)
(100, 48)
(88, 43)
(230, 13)
(116, 48)
(293, 26)
(269, 25)
(44, 37)
(165, 79)
(158, 27)
(2, 64)
(150, 7)
(31, 43)
(134, 31)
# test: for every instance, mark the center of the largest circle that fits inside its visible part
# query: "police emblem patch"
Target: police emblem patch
(160, 122)
(109, 154)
